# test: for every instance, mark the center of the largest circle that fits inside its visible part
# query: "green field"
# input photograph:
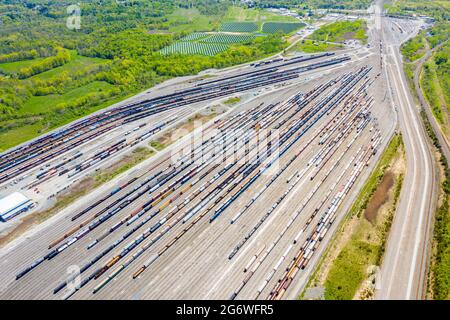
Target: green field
(15, 136)
(228, 38)
(195, 36)
(254, 15)
(189, 48)
(435, 83)
(341, 31)
(365, 246)
(189, 20)
(40, 113)
(239, 27)
(13, 67)
(207, 44)
(43, 104)
(77, 63)
(311, 46)
(414, 48)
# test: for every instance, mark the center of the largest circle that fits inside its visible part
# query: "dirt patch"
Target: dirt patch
(182, 130)
(380, 197)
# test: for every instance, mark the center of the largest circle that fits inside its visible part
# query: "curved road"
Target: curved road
(437, 129)
(404, 268)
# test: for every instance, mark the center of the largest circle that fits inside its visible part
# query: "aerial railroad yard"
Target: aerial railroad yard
(248, 172)
(237, 209)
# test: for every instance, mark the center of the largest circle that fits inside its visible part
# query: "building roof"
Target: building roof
(11, 202)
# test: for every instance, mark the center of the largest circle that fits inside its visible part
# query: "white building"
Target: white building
(12, 205)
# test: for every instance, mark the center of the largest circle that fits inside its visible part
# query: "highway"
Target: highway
(404, 267)
(437, 129)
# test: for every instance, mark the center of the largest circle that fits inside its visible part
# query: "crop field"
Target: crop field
(208, 44)
(235, 13)
(285, 27)
(194, 36)
(228, 38)
(239, 27)
(208, 49)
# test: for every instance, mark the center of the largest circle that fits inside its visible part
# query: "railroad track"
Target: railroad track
(169, 202)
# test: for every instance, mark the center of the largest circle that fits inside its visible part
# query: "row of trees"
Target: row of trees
(313, 4)
(18, 56)
(62, 57)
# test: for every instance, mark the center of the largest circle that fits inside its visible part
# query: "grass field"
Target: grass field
(311, 46)
(359, 240)
(435, 83)
(13, 67)
(34, 109)
(18, 135)
(189, 20)
(43, 104)
(341, 31)
(22, 133)
(77, 63)
(366, 244)
(255, 15)
(232, 100)
(414, 48)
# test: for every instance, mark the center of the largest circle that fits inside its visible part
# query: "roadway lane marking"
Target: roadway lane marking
(424, 197)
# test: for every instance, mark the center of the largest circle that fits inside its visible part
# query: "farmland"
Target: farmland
(194, 36)
(207, 44)
(207, 49)
(228, 38)
(255, 15)
(239, 27)
(285, 27)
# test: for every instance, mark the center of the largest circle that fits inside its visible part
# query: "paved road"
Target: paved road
(403, 272)
(437, 129)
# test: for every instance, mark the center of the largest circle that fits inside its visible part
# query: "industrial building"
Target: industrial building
(12, 205)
